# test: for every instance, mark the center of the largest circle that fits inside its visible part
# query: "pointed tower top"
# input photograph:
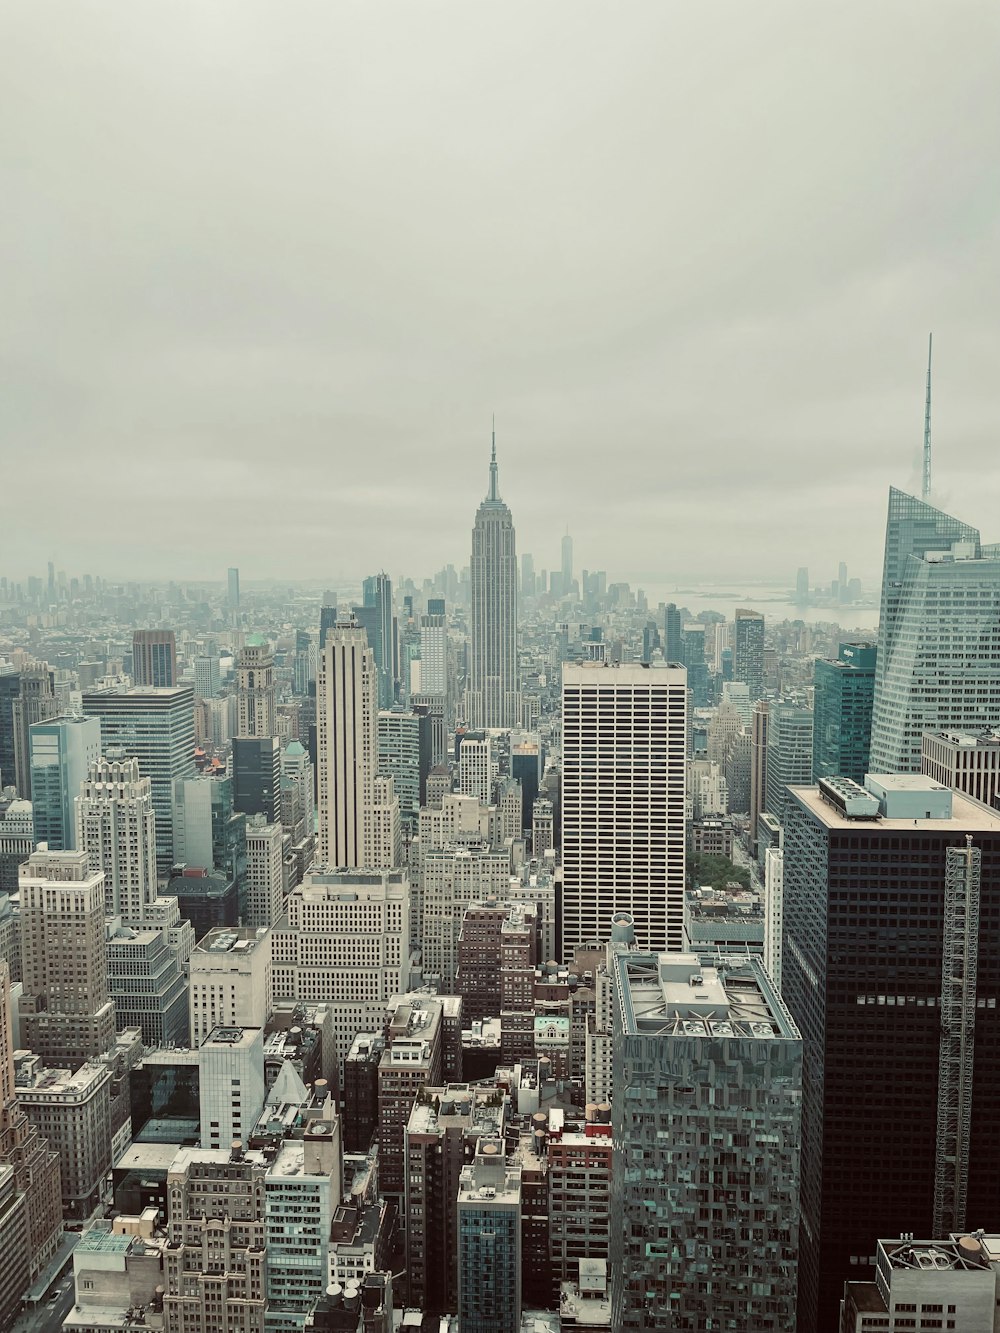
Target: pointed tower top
(493, 494)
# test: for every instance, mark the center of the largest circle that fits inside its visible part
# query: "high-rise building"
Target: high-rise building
(344, 939)
(954, 1282)
(207, 677)
(265, 872)
(35, 702)
(842, 712)
(623, 802)
(257, 776)
(789, 754)
(230, 1084)
(147, 987)
(380, 625)
(154, 658)
(802, 586)
(209, 833)
(489, 1242)
(231, 980)
(970, 764)
(73, 1110)
(433, 654)
(475, 765)
(452, 877)
(347, 746)
(155, 726)
(493, 694)
(758, 764)
(233, 590)
(890, 955)
(567, 564)
(748, 651)
(62, 751)
(36, 1169)
(706, 1145)
(67, 1014)
(673, 649)
(404, 754)
(693, 657)
(116, 827)
(255, 691)
(938, 665)
(10, 688)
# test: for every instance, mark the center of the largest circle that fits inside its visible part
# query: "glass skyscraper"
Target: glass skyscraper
(842, 712)
(939, 641)
(789, 754)
(748, 651)
(61, 751)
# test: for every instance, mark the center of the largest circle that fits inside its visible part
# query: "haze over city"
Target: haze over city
(274, 267)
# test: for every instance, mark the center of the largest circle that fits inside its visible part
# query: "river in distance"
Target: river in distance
(773, 600)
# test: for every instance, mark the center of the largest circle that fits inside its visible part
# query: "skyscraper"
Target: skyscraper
(842, 712)
(10, 688)
(758, 764)
(154, 657)
(66, 1010)
(255, 696)
(890, 967)
(233, 590)
(567, 564)
(748, 651)
(493, 695)
(379, 623)
(433, 654)
(673, 649)
(347, 745)
(693, 657)
(789, 754)
(62, 751)
(623, 797)
(939, 640)
(34, 702)
(155, 726)
(706, 1145)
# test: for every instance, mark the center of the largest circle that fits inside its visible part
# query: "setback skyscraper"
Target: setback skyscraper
(939, 640)
(346, 747)
(493, 696)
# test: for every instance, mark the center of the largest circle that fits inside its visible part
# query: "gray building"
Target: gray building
(789, 754)
(707, 1067)
(61, 752)
(493, 696)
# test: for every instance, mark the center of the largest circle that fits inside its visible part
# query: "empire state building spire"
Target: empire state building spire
(493, 696)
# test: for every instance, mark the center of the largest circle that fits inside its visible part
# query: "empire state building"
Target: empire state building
(493, 696)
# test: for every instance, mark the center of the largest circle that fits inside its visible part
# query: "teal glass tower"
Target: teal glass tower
(938, 663)
(842, 712)
(61, 751)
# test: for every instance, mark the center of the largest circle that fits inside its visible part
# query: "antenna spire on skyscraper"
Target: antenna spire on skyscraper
(493, 495)
(926, 487)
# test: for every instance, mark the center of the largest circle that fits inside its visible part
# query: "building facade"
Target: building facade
(493, 693)
(844, 690)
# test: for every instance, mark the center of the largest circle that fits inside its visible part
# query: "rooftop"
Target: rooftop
(967, 815)
(234, 940)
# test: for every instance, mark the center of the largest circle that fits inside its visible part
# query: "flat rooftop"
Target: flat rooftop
(235, 940)
(148, 1157)
(967, 815)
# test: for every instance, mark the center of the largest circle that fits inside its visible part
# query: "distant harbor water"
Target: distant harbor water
(772, 600)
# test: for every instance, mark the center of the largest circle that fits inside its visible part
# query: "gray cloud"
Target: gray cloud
(269, 268)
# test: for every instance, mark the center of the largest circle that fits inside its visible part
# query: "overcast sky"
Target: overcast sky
(269, 267)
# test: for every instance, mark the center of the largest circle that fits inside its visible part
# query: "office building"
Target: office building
(72, 1110)
(116, 827)
(214, 1287)
(207, 899)
(489, 1242)
(17, 842)
(230, 981)
(380, 624)
(10, 688)
(207, 677)
(748, 651)
(493, 693)
(347, 746)
(891, 949)
(673, 650)
(147, 987)
(758, 763)
(230, 1084)
(156, 727)
(842, 712)
(62, 751)
(344, 940)
(154, 658)
(452, 877)
(475, 765)
(927, 1284)
(938, 665)
(209, 833)
(693, 658)
(623, 802)
(706, 1145)
(233, 590)
(444, 1125)
(579, 1160)
(117, 1270)
(34, 702)
(433, 654)
(67, 1014)
(256, 767)
(412, 1059)
(35, 1164)
(970, 764)
(404, 754)
(255, 690)
(14, 1279)
(789, 755)
(265, 895)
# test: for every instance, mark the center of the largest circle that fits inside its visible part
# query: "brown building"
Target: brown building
(361, 1091)
(497, 954)
(441, 1134)
(154, 658)
(579, 1158)
(412, 1059)
(73, 1111)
